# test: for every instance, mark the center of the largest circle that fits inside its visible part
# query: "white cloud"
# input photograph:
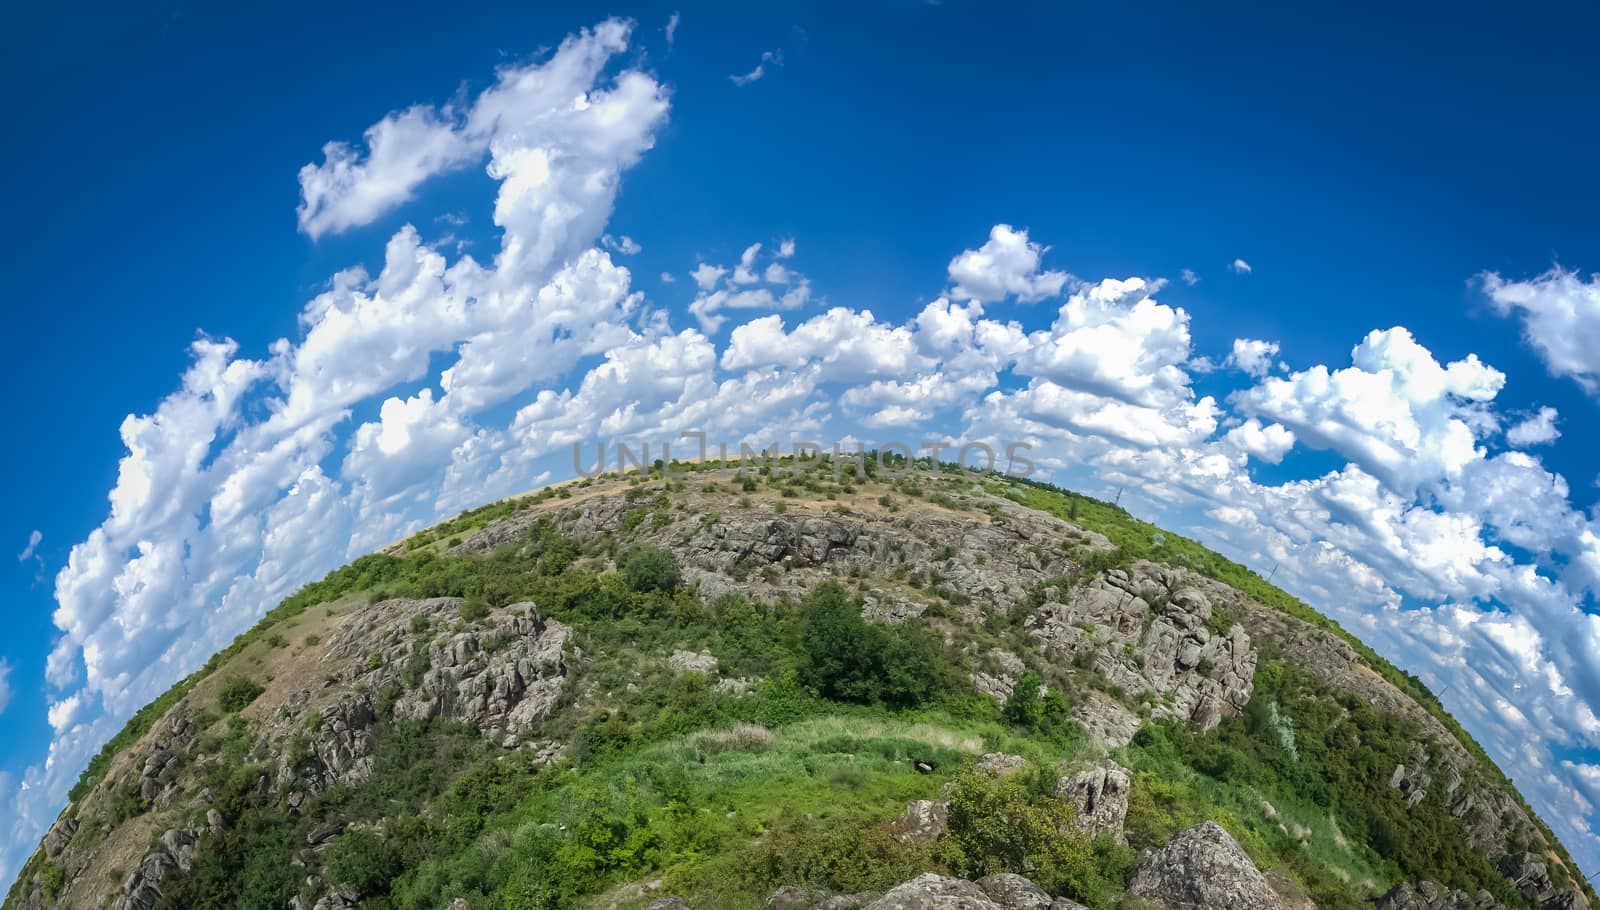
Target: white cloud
(1395, 411)
(742, 79)
(1189, 277)
(1240, 267)
(1007, 265)
(849, 345)
(748, 286)
(5, 684)
(623, 245)
(33, 544)
(1560, 320)
(404, 149)
(1266, 443)
(1535, 430)
(1252, 356)
(1115, 339)
(672, 27)
(544, 109)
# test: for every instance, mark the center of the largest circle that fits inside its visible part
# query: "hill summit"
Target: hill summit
(699, 686)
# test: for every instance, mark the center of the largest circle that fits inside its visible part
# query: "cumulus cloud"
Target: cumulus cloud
(1560, 314)
(743, 79)
(1189, 277)
(1396, 411)
(1535, 430)
(404, 149)
(1114, 339)
(1240, 267)
(545, 106)
(1267, 443)
(5, 684)
(1007, 265)
(1252, 356)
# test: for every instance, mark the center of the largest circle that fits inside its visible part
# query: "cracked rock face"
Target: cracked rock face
(342, 744)
(693, 662)
(1531, 876)
(935, 892)
(141, 888)
(998, 685)
(501, 674)
(1100, 794)
(922, 822)
(1203, 868)
(1148, 630)
(1426, 895)
(1002, 891)
(1013, 891)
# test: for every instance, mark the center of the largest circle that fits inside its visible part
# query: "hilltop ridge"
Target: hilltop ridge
(776, 687)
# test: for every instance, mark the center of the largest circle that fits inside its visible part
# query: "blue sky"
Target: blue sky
(1371, 169)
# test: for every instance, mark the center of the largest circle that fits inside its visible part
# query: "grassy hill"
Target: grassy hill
(713, 685)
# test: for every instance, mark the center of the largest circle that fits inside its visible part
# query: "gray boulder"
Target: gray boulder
(1203, 868)
(936, 892)
(1099, 793)
(922, 822)
(1014, 892)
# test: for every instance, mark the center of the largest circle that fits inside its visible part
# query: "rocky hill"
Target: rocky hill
(796, 689)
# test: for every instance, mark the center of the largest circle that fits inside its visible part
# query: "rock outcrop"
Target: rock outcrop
(141, 888)
(936, 892)
(1149, 631)
(1203, 868)
(922, 822)
(990, 564)
(1099, 794)
(500, 674)
(930, 891)
(1426, 895)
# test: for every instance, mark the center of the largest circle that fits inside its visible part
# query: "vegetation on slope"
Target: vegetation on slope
(724, 796)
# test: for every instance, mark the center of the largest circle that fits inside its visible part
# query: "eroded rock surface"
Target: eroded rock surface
(922, 822)
(1426, 895)
(141, 888)
(1203, 868)
(1149, 631)
(1099, 793)
(500, 674)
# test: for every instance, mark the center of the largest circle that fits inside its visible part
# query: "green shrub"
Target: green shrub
(54, 879)
(237, 694)
(363, 860)
(652, 569)
(473, 609)
(1028, 709)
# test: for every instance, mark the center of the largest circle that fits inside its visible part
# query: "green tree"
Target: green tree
(652, 569)
(850, 659)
